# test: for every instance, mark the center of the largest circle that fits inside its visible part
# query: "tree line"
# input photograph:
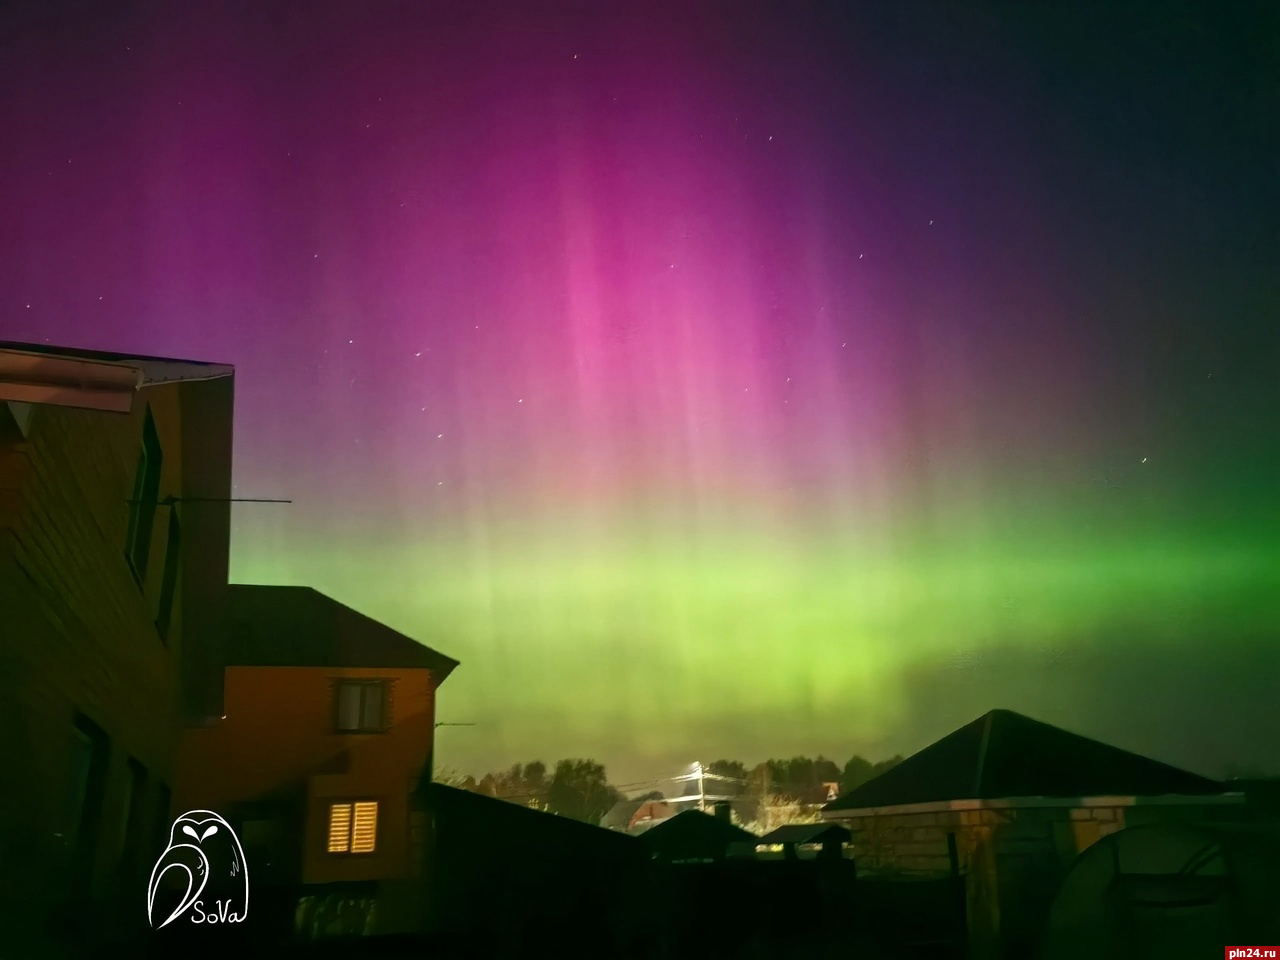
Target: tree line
(580, 788)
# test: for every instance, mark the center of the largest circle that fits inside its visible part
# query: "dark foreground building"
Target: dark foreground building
(1010, 802)
(115, 474)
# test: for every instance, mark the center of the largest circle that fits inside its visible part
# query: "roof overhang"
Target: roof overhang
(1014, 803)
(61, 379)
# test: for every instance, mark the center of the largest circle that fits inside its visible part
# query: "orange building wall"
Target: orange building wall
(279, 729)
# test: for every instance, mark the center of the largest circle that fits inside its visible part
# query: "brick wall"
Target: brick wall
(79, 638)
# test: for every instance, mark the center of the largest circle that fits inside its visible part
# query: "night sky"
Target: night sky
(733, 379)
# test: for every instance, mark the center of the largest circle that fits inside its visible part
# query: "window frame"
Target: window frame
(134, 813)
(90, 743)
(170, 577)
(352, 802)
(145, 500)
(384, 718)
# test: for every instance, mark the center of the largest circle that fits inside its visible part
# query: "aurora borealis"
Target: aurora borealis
(715, 379)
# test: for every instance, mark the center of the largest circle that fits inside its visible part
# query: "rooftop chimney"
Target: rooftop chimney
(723, 811)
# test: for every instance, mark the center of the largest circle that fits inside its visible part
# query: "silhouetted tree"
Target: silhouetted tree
(521, 783)
(859, 770)
(885, 765)
(799, 776)
(728, 768)
(580, 789)
(535, 777)
(856, 772)
(825, 771)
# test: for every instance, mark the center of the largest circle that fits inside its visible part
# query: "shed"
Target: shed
(694, 836)
(829, 838)
(499, 869)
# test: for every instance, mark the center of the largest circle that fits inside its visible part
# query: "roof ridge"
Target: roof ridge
(979, 774)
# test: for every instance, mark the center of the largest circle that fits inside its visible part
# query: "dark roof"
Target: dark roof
(66, 376)
(1005, 754)
(473, 818)
(806, 833)
(693, 835)
(274, 626)
(104, 356)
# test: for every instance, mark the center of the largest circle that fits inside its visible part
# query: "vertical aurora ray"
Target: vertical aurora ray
(705, 384)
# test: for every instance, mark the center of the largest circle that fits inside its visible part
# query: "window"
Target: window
(134, 806)
(169, 585)
(361, 706)
(160, 824)
(15, 421)
(142, 506)
(86, 785)
(353, 827)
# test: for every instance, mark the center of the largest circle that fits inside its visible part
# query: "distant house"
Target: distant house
(635, 816)
(328, 725)
(694, 837)
(1010, 801)
(115, 474)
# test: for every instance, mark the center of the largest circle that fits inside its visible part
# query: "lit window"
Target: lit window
(353, 827)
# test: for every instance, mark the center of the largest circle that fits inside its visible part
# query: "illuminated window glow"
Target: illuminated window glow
(353, 827)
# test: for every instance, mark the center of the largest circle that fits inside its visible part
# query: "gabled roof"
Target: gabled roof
(693, 835)
(805, 833)
(1005, 754)
(280, 626)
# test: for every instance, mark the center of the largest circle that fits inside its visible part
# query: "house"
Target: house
(636, 816)
(694, 836)
(1010, 801)
(509, 877)
(327, 725)
(115, 477)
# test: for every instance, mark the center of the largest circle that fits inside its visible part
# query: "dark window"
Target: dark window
(87, 783)
(160, 823)
(361, 706)
(142, 506)
(169, 585)
(132, 834)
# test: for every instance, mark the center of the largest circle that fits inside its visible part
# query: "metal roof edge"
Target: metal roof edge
(1007, 803)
